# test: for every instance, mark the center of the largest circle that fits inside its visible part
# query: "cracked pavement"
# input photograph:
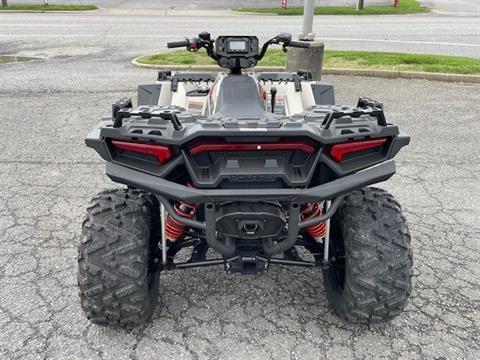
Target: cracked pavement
(47, 177)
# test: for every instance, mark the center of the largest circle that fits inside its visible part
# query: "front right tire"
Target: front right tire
(117, 280)
(369, 277)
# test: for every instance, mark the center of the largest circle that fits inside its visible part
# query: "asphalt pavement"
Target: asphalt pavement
(454, 7)
(127, 34)
(440, 6)
(47, 177)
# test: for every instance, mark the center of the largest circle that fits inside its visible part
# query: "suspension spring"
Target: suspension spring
(173, 228)
(310, 211)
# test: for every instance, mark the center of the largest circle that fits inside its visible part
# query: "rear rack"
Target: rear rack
(324, 114)
(365, 106)
(123, 110)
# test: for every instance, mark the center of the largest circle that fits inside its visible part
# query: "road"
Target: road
(136, 34)
(198, 4)
(454, 7)
(443, 6)
(47, 177)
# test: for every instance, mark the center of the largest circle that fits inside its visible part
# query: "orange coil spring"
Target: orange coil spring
(310, 211)
(174, 229)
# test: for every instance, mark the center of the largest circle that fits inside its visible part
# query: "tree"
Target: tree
(4, 3)
(359, 4)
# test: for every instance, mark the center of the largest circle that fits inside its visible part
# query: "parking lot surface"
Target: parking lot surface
(47, 177)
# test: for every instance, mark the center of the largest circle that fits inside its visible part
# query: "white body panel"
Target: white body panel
(293, 101)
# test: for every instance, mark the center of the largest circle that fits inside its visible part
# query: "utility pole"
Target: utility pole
(310, 59)
(308, 12)
(4, 3)
(360, 4)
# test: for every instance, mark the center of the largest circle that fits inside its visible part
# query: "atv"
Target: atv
(247, 170)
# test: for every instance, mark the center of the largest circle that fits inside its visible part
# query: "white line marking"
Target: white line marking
(92, 36)
(177, 37)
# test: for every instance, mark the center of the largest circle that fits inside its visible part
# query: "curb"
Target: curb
(389, 74)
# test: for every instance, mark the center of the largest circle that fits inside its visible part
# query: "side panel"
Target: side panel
(294, 103)
(187, 96)
(155, 94)
(289, 101)
(323, 93)
(166, 94)
(149, 94)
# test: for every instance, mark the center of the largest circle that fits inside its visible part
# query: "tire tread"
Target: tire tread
(378, 258)
(113, 258)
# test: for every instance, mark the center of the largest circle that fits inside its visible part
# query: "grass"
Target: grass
(342, 59)
(52, 7)
(404, 7)
(8, 59)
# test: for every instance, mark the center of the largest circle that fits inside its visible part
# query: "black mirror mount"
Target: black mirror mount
(205, 36)
(284, 38)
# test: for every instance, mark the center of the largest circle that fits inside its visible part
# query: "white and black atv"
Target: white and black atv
(261, 168)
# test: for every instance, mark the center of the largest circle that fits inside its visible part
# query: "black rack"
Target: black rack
(191, 77)
(296, 78)
(123, 110)
(366, 102)
(120, 105)
(365, 106)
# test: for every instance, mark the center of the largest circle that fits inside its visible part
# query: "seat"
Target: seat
(239, 97)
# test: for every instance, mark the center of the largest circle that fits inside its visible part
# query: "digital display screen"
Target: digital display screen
(237, 45)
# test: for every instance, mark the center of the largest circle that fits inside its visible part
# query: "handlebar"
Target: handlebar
(178, 44)
(299, 44)
(251, 57)
(284, 39)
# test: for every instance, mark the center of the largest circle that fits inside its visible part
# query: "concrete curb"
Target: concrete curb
(395, 74)
(390, 74)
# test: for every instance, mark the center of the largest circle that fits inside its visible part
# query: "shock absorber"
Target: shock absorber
(310, 211)
(174, 229)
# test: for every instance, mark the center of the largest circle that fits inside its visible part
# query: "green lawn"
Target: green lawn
(7, 59)
(52, 7)
(404, 7)
(342, 59)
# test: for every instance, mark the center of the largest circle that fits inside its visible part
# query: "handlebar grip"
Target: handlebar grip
(299, 44)
(177, 44)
